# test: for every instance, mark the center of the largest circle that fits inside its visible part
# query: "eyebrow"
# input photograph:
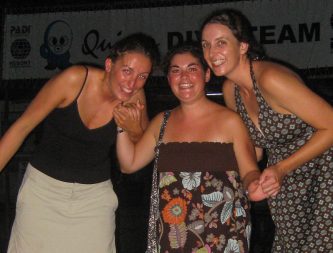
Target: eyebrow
(128, 68)
(190, 65)
(147, 72)
(219, 38)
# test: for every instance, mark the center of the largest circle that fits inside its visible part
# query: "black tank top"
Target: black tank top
(71, 152)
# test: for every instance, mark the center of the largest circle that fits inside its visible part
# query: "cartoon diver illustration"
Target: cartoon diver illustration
(57, 42)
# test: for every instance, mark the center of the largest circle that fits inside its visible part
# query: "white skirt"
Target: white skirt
(58, 217)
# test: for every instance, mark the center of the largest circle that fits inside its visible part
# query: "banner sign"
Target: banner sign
(39, 45)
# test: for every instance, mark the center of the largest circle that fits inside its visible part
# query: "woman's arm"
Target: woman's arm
(228, 92)
(248, 168)
(287, 92)
(134, 156)
(52, 95)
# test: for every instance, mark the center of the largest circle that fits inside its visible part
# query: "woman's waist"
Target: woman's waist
(73, 171)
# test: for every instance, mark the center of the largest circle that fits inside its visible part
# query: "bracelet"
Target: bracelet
(119, 130)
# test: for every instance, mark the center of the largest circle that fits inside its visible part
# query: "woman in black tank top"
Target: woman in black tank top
(66, 202)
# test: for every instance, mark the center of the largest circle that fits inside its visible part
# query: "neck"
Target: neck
(195, 109)
(241, 75)
(105, 89)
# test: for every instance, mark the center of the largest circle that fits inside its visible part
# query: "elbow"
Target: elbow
(326, 136)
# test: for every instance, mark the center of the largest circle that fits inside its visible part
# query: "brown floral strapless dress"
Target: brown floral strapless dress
(202, 205)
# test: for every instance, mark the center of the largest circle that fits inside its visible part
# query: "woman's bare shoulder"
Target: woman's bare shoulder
(270, 73)
(225, 114)
(70, 77)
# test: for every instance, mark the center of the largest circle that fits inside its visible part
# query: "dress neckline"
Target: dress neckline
(261, 105)
(196, 143)
(84, 125)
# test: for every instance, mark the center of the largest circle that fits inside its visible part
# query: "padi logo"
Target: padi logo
(19, 30)
(20, 48)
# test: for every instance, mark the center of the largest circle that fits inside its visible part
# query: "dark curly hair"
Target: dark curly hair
(192, 47)
(240, 26)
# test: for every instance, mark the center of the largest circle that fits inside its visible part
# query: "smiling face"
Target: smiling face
(127, 74)
(222, 50)
(187, 77)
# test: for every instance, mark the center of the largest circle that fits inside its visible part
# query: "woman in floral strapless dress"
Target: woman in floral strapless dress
(293, 125)
(201, 198)
(204, 162)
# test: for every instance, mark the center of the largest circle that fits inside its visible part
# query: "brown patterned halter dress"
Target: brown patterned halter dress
(303, 210)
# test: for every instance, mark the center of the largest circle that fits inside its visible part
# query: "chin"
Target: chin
(125, 97)
(219, 72)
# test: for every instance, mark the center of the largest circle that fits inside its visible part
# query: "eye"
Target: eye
(221, 43)
(174, 71)
(204, 44)
(192, 69)
(143, 76)
(127, 71)
(53, 41)
(64, 40)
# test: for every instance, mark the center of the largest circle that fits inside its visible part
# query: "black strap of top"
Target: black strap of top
(84, 82)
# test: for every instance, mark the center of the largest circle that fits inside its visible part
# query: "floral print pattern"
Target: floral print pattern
(203, 212)
(175, 211)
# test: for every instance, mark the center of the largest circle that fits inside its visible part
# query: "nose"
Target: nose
(184, 74)
(211, 51)
(131, 82)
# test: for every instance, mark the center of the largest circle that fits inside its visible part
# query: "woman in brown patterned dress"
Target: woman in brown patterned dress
(294, 126)
(203, 151)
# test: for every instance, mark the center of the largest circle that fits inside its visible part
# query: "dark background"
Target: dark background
(133, 190)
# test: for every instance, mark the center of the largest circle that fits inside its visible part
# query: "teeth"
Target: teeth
(126, 90)
(218, 62)
(185, 85)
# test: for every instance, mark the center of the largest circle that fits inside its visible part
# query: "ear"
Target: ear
(108, 64)
(244, 47)
(207, 75)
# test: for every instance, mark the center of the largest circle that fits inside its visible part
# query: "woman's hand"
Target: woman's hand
(271, 180)
(258, 190)
(128, 117)
(255, 192)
